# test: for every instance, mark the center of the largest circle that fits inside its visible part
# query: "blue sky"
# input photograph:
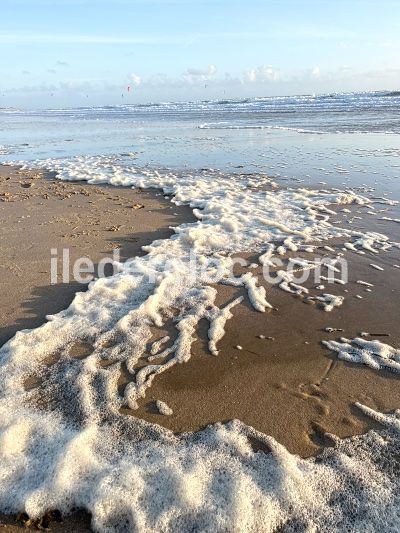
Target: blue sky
(78, 52)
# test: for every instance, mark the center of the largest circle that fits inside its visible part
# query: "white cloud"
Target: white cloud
(135, 80)
(261, 74)
(194, 76)
(204, 72)
(207, 83)
(316, 72)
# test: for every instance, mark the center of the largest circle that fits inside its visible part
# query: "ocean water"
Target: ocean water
(262, 175)
(334, 138)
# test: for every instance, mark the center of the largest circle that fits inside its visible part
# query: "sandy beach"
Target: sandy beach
(199, 266)
(282, 382)
(38, 213)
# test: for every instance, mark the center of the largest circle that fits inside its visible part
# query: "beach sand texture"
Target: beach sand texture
(282, 381)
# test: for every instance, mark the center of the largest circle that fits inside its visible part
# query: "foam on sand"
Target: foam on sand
(328, 301)
(133, 478)
(390, 219)
(374, 354)
(163, 408)
(64, 442)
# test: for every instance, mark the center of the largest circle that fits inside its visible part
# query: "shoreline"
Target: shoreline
(290, 387)
(287, 373)
(27, 296)
(283, 387)
(39, 212)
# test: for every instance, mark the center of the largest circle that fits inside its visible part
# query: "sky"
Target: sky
(88, 52)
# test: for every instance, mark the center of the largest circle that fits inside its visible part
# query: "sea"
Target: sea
(302, 137)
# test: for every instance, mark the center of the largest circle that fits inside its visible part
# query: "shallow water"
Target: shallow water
(337, 139)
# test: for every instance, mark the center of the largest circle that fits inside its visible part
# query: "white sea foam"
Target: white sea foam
(374, 354)
(228, 126)
(328, 301)
(163, 408)
(364, 283)
(64, 442)
(390, 219)
(376, 267)
(134, 478)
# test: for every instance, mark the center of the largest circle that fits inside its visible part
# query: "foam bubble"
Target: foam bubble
(66, 445)
(164, 408)
(374, 354)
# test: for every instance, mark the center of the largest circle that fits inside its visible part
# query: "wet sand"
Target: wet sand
(290, 386)
(38, 214)
(79, 521)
